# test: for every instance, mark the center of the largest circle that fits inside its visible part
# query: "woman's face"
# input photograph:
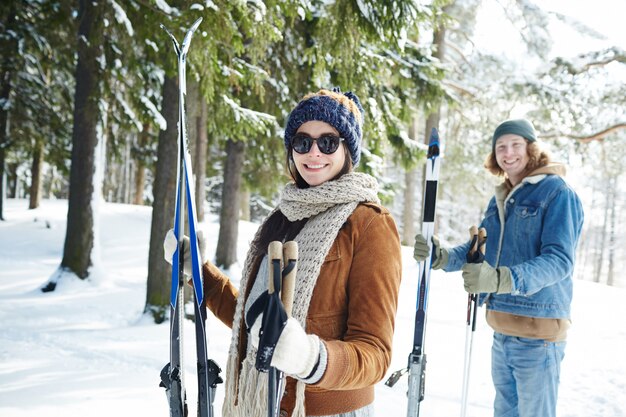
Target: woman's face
(316, 167)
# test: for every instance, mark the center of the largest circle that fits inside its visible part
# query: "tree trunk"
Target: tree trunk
(163, 206)
(79, 237)
(2, 181)
(410, 182)
(36, 174)
(585, 247)
(244, 201)
(2, 164)
(12, 180)
(127, 180)
(603, 239)
(610, 279)
(226, 252)
(140, 171)
(201, 156)
(6, 75)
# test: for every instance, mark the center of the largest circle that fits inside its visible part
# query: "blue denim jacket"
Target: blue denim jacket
(543, 218)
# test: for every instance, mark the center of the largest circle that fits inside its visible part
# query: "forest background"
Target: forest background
(89, 109)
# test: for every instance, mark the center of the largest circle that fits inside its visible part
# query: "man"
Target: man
(533, 223)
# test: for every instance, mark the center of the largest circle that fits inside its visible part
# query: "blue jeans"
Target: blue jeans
(525, 374)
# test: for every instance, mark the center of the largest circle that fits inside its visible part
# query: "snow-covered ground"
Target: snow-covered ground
(87, 350)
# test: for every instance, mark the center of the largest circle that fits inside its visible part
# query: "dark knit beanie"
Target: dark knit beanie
(521, 127)
(343, 111)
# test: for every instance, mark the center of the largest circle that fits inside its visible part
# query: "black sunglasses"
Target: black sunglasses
(327, 144)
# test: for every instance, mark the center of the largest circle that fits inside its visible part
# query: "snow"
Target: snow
(158, 117)
(87, 350)
(255, 118)
(121, 17)
(602, 19)
(166, 8)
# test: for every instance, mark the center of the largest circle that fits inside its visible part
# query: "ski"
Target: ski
(172, 375)
(417, 358)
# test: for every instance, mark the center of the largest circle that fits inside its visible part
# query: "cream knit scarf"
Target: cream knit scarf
(327, 207)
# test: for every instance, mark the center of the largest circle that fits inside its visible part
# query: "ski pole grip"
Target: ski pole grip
(474, 237)
(290, 257)
(275, 260)
(473, 231)
(482, 240)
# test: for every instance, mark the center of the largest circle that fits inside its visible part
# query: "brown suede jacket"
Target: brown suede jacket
(352, 309)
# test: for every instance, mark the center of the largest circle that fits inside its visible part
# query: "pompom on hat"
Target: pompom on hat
(343, 111)
(521, 127)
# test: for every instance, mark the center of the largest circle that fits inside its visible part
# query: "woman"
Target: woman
(338, 344)
(533, 224)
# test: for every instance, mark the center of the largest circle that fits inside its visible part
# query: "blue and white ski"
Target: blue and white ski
(172, 376)
(417, 358)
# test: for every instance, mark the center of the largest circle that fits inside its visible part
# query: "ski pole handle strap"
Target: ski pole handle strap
(290, 259)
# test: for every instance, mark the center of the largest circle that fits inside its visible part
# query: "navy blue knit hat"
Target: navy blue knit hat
(343, 111)
(521, 127)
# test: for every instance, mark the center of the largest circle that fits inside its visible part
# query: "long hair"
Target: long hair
(277, 227)
(537, 158)
(297, 178)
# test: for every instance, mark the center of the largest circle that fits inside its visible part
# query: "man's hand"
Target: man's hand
(421, 250)
(482, 277)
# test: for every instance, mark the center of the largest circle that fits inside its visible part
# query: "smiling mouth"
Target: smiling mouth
(314, 166)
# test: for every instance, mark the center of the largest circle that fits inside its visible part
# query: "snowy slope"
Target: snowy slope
(87, 350)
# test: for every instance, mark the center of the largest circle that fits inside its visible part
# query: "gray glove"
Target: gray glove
(421, 250)
(170, 243)
(482, 277)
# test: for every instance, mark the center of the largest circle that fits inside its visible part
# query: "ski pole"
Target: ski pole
(275, 257)
(475, 254)
(290, 258)
(273, 305)
(283, 260)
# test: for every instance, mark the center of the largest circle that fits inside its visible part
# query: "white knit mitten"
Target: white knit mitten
(296, 352)
(170, 243)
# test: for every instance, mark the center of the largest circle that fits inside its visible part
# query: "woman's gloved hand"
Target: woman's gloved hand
(296, 352)
(170, 243)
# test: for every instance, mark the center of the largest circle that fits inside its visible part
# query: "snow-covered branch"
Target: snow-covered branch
(601, 135)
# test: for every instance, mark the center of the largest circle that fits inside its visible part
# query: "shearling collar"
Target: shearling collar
(504, 189)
